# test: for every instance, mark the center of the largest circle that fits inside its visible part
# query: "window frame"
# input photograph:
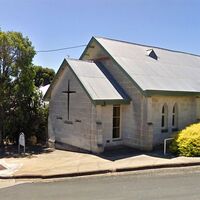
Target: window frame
(175, 117)
(164, 118)
(119, 126)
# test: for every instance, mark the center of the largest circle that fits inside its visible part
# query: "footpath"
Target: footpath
(58, 164)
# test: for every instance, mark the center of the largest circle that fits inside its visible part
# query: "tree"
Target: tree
(17, 90)
(43, 76)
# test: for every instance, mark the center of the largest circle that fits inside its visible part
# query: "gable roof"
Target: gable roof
(94, 82)
(172, 71)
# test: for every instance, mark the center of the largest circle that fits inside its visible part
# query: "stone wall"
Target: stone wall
(141, 119)
(104, 125)
(198, 108)
(134, 128)
(80, 129)
(186, 114)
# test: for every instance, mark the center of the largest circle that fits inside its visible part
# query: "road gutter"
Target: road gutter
(99, 172)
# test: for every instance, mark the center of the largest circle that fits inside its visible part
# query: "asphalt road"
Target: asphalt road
(178, 184)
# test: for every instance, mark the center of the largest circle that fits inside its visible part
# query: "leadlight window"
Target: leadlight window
(164, 118)
(175, 117)
(116, 121)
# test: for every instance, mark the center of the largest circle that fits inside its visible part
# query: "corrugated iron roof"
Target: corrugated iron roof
(172, 71)
(94, 81)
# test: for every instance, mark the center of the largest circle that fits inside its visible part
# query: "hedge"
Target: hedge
(187, 141)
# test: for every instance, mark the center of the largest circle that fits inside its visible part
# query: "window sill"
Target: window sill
(174, 129)
(117, 139)
(164, 130)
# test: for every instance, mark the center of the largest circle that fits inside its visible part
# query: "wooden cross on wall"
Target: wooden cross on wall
(68, 92)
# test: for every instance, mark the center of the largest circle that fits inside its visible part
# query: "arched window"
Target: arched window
(175, 117)
(164, 118)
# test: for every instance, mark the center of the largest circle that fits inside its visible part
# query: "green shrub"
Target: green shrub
(187, 141)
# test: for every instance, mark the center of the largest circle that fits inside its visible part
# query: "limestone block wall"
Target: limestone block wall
(133, 125)
(80, 129)
(135, 131)
(198, 108)
(186, 114)
(105, 125)
(104, 122)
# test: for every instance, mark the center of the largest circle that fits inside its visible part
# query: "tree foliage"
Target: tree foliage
(20, 103)
(43, 76)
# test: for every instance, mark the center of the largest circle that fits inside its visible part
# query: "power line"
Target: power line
(61, 49)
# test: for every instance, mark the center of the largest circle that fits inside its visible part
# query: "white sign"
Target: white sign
(22, 139)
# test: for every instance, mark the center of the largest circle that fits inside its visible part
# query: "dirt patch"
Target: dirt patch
(2, 167)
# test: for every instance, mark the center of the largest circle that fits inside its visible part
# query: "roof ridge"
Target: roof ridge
(149, 46)
(75, 59)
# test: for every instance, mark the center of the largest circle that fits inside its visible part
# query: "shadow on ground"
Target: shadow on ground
(9, 151)
(126, 152)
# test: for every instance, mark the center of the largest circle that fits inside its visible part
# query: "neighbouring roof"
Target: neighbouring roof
(95, 83)
(155, 69)
(43, 89)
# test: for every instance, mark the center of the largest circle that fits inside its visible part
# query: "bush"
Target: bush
(187, 141)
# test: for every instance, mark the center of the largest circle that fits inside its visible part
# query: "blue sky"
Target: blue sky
(52, 24)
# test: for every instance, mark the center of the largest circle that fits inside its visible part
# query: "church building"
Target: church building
(122, 94)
